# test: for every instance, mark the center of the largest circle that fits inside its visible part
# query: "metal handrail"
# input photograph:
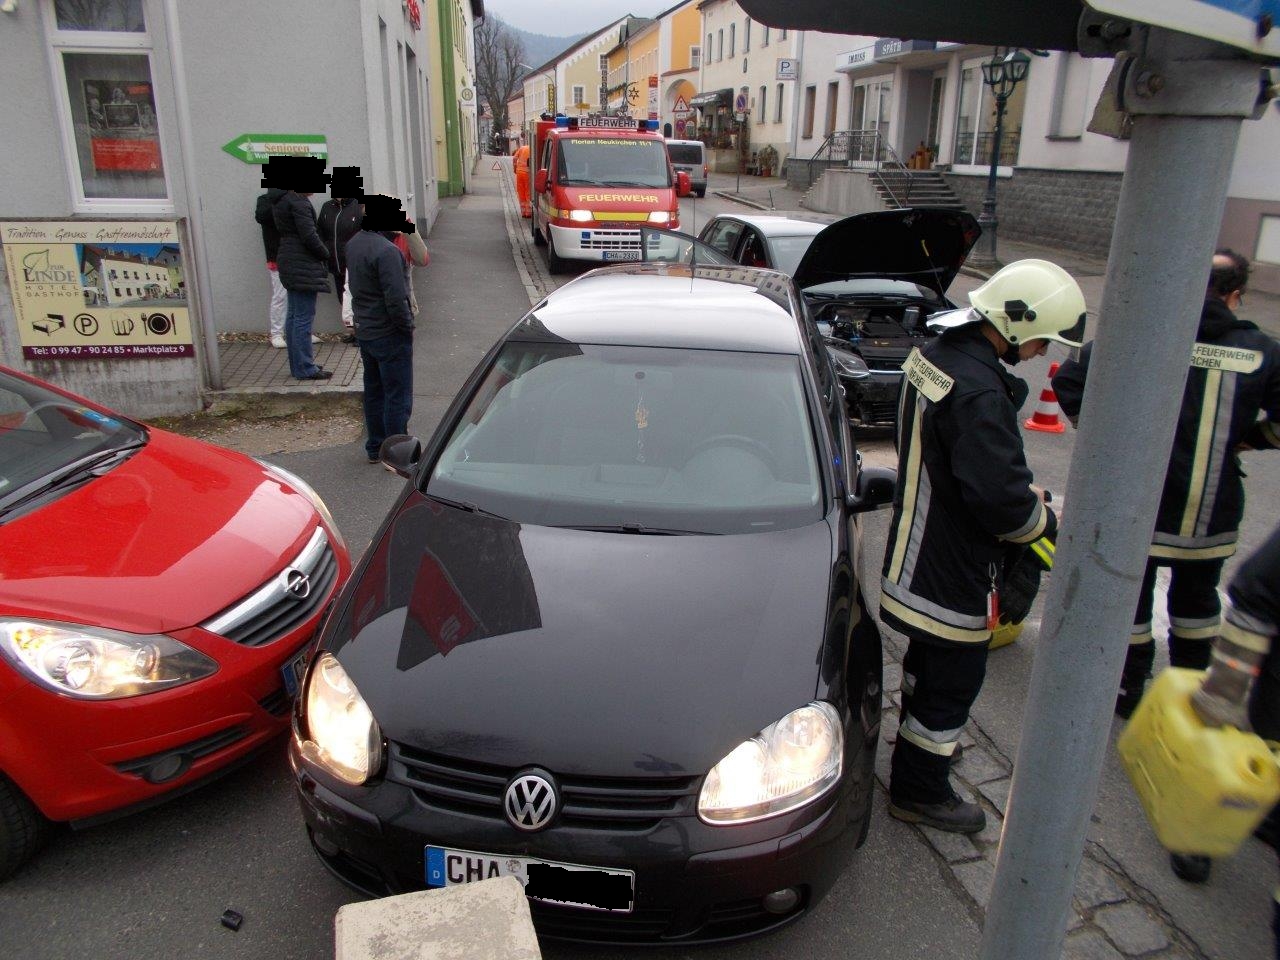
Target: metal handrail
(860, 146)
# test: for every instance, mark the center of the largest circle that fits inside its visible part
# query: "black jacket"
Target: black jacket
(339, 222)
(375, 284)
(1235, 373)
(964, 490)
(264, 214)
(303, 255)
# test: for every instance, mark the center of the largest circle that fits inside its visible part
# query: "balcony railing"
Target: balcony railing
(862, 148)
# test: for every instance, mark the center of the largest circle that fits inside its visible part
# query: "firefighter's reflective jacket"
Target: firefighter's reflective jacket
(964, 490)
(1235, 373)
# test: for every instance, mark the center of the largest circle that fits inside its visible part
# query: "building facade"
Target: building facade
(140, 126)
(453, 97)
(679, 68)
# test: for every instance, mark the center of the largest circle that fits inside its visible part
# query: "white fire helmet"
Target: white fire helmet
(1026, 300)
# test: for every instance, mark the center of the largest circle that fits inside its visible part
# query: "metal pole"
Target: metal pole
(987, 219)
(1171, 204)
(211, 359)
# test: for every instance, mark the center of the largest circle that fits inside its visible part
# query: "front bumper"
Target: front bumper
(600, 244)
(694, 882)
(872, 401)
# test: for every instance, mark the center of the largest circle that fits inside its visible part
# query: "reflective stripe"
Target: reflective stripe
(902, 535)
(934, 610)
(1141, 633)
(1044, 549)
(1194, 633)
(1200, 456)
(1192, 553)
(930, 626)
(1172, 540)
(1250, 623)
(1032, 529)
(923, 499)
(940, 742)
(1194, 623)
(1218, 454)
(1256, 642)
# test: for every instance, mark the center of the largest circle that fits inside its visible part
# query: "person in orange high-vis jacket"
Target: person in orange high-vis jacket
(521, 163)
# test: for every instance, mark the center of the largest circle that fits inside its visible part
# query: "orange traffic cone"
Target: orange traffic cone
(1047, 418)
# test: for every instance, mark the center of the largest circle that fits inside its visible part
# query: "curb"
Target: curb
(738, 198)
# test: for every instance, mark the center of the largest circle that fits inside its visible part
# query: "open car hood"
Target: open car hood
(924, 246)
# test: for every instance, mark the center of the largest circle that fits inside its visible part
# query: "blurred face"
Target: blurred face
(1032, 348)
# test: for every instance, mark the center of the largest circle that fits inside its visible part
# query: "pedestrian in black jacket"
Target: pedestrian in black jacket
(303, 272)
(964, 495)
(1235, 373)
(265, 216)
(383, 322)
(340, 218)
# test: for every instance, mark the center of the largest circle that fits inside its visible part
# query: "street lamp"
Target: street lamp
(1002, 75)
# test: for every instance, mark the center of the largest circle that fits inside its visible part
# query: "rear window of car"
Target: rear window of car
(582, 435)
(685, 152)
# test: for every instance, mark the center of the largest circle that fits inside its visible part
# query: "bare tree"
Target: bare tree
(499, 53)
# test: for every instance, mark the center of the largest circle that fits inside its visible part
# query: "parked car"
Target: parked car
(158, 599)
(691, 157)
(610, 640)
(869, 280)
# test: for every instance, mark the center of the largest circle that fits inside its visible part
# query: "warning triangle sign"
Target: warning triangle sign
(682, 105)
(497, 165)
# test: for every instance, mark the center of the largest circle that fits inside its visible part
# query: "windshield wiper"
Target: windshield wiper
(635, 528)
(466, 505)
(76, 472)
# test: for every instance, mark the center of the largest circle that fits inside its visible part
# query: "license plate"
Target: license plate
(592, 888)
(293, 670)
(622, 254)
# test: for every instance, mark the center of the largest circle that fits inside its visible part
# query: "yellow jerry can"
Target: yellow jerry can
(1204, 789)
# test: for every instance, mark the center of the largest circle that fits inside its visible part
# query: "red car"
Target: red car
(158, 600)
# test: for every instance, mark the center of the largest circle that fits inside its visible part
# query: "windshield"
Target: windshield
(693, 441)
(788, 251)
(42, 432)
(613, 162)
(690, 153)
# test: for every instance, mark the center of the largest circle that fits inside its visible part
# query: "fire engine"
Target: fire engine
(596, 180)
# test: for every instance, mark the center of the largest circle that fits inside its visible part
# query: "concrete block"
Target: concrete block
(1131, 928)
(977, 766)
(488, 920)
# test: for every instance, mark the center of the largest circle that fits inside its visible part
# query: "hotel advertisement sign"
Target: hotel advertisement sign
(98, 290)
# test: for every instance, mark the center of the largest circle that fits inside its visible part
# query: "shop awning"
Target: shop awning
(712, 98)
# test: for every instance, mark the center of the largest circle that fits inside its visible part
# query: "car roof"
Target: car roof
(781, 225)
(671, 305)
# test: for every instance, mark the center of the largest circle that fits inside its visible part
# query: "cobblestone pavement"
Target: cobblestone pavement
(1113, 916)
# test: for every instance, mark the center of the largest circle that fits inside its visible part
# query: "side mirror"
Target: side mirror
(684, 186)
(875, 489)
(540, 181)
(401, 453)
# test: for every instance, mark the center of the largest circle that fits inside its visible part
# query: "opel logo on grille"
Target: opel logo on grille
(530, 802)
(297, 583)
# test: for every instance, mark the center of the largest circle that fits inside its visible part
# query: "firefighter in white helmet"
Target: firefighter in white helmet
(964, 495)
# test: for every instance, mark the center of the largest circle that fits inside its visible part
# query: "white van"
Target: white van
(691, 157)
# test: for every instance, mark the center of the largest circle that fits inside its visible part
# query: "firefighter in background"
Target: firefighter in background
(1242, 687)
(520, 161)
(1235, 373)
(964, 495)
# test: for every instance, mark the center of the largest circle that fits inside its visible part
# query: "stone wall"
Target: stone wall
(1074, 209)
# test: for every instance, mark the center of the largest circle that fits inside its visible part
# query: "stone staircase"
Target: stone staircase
(914, 188)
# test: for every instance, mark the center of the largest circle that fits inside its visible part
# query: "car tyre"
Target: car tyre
(538, 240)
(555, 262)
(22, 828)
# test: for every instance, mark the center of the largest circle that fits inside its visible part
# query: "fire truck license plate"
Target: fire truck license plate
(622, 254)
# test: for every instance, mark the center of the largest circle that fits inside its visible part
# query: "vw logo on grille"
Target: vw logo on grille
(530, 802)
(297, 583)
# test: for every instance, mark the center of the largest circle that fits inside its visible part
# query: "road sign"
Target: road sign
(788, 68)
(682, 105)
(256, 147)
(497, 165)
(740, 103)
(1248, 24)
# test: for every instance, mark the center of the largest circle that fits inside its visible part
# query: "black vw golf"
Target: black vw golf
(610, 639)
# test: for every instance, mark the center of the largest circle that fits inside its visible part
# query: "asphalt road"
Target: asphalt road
(154, 885)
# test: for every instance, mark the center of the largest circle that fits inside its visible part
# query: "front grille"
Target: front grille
(612, 240)
(875, 413)
(276, 703)
(632, 804)
(568, 923)
(272, 611)
(885, 358)
(184, 755)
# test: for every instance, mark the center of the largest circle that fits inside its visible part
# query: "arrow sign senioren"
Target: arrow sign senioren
(256, 147)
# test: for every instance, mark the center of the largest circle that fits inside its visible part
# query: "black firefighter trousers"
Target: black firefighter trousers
(1194, 612)
(940, 681)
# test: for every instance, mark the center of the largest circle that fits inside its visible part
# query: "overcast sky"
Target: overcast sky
(566, 18)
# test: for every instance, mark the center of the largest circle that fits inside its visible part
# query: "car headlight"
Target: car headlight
(581, 216)
(848, 363)
(304, 488)
(344, 737)
(94, 663)
(660, 216)
(784, 766)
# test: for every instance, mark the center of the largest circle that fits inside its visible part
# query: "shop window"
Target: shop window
(101, 56)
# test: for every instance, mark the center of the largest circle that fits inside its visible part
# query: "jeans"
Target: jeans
(388, 388)
(297, 333)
